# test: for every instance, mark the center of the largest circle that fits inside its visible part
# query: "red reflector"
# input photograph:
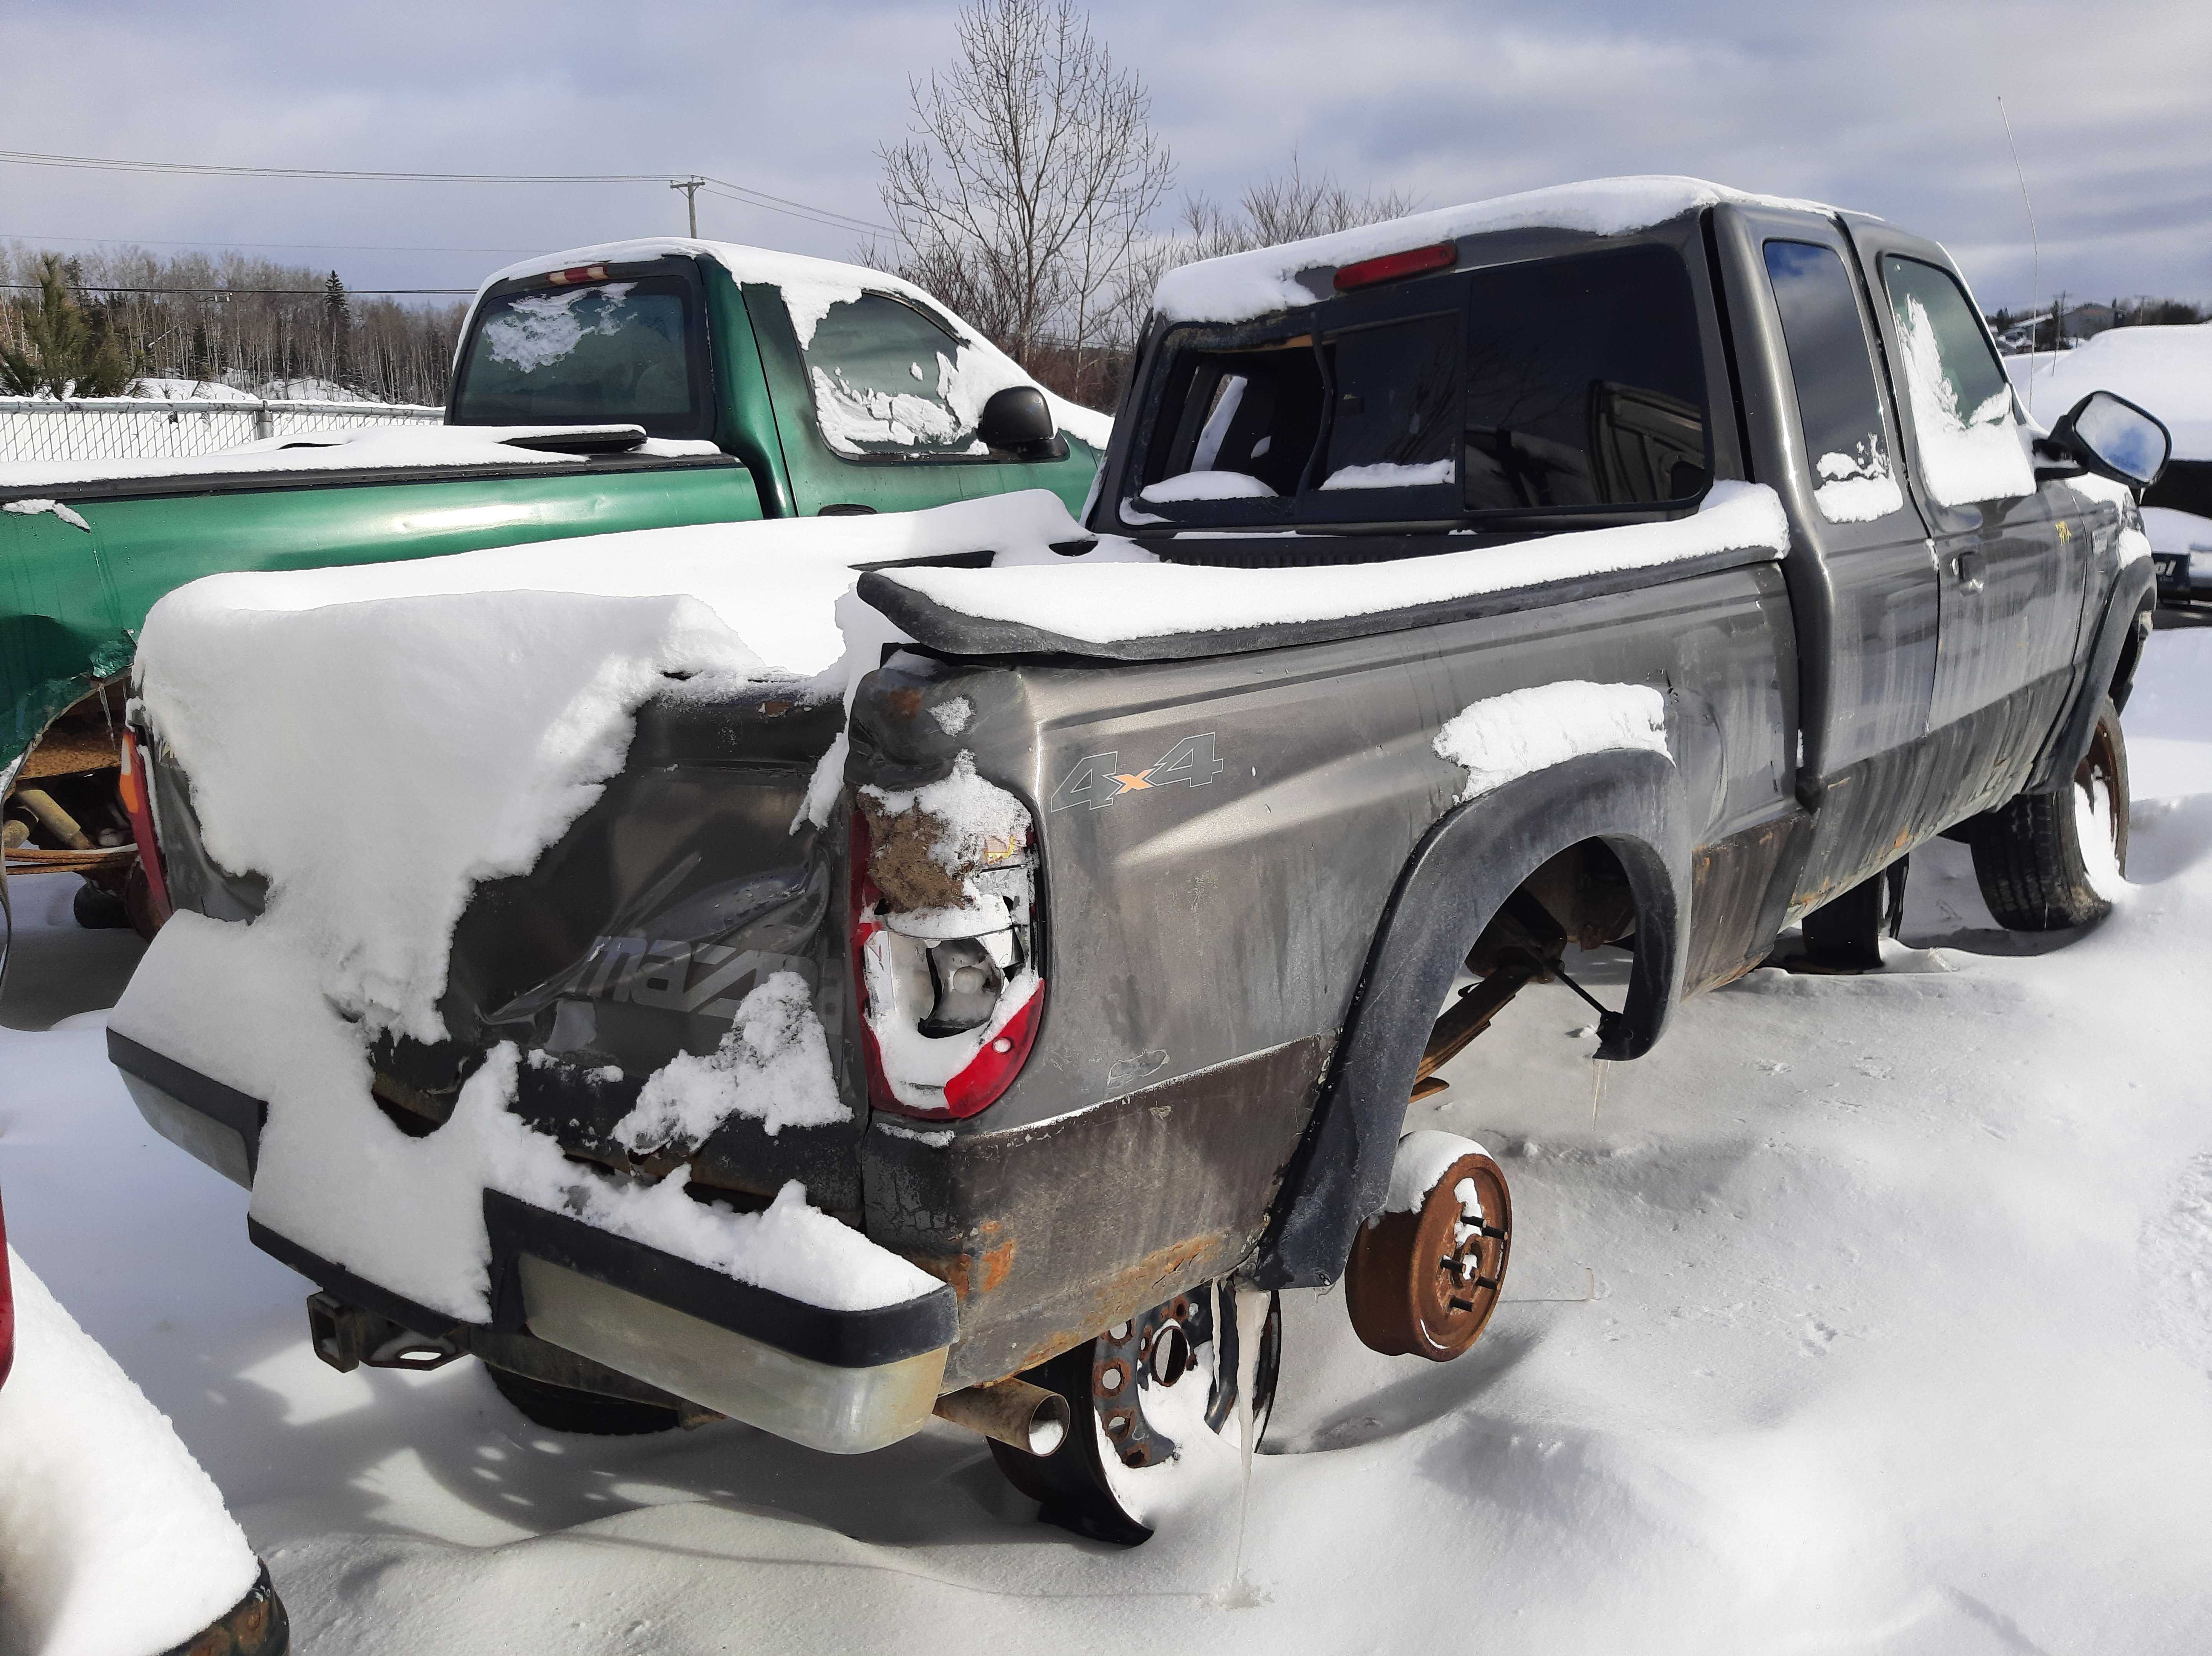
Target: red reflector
(992, 1071)
(1394, 267)
(579, 273)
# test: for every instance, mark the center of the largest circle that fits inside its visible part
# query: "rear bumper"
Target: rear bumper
(845, 1381)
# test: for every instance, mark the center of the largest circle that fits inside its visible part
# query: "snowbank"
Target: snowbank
(811, 287)
(113, 1540)
(1241, 286)
(1103, 598)
(2168, 370)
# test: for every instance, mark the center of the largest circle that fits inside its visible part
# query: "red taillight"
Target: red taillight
(578, 273)
(134, 785)
(1395, 267)
(992, 1071)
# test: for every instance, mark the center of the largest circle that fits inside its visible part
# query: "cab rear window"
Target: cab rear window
(597, 353)
(1556, 385)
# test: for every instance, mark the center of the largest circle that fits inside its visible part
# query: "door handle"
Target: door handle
(846, 509)
(1967, 567)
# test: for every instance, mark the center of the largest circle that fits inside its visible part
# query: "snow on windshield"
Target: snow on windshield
(538, 328)
(1205, 485)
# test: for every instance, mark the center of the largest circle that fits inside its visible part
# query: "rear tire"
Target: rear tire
(2035, 871)
(564, 1409)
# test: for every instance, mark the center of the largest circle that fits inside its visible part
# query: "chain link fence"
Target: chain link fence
(153, 428)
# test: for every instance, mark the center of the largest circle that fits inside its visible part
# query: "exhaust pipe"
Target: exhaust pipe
(1024, 1416)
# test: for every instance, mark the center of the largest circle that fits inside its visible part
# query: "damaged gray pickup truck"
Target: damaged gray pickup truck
(1636, 566)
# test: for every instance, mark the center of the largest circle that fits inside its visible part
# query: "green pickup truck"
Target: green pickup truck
(632, 385)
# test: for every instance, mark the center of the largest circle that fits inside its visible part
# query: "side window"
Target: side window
(1970, 446)
(888, 381)
(1838, 405)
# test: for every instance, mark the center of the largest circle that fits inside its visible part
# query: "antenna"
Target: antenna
(2034, 257)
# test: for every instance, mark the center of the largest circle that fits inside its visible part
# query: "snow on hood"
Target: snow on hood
(2168, 370)
(340, 448)
(811, 287)
(1241, 286)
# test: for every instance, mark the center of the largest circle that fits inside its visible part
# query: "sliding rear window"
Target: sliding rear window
(588, 354)
(1564, 385)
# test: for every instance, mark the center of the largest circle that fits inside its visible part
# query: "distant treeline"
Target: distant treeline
(220, 322)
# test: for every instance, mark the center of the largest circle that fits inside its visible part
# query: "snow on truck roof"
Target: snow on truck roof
(1241, 286)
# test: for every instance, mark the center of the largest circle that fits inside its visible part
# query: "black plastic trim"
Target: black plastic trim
(953, 632)
(2134, 592)
(844, 1339)
(1458, 877)
(243, 1115)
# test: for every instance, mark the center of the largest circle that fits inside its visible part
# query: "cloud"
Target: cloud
(1890, 107)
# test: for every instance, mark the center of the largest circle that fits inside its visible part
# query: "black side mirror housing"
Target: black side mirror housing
(2113, 437)
(1018, 421)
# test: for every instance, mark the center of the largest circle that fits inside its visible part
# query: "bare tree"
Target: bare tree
(1022, 193)
(1288, 206)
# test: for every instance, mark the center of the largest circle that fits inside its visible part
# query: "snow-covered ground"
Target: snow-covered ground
(1866, 1314)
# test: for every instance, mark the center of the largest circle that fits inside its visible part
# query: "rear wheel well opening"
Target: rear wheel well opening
(1580, 898)
(63, 812)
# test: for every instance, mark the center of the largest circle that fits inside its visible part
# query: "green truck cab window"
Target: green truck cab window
(602, 352)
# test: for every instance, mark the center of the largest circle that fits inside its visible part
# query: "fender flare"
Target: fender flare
(2127, 607)
(1465, 866)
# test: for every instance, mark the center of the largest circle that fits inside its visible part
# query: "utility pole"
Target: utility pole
(690, 187)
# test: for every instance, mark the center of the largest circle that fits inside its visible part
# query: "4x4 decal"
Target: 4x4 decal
(1098, 779)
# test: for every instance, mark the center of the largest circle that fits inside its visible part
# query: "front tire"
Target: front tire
(565, 1408)
(2041, 858)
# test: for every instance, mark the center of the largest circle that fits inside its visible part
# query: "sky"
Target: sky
(1890, 108)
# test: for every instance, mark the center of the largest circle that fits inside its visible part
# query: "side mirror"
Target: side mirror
(2111, 436)
(1018, 421)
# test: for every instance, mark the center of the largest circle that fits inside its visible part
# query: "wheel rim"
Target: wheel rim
(1101, 1482)
(2098, 777)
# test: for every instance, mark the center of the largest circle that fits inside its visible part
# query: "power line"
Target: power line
(286, 246)
(745, 193)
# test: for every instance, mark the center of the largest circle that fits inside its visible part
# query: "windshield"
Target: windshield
(600, 353)
(1556, 385)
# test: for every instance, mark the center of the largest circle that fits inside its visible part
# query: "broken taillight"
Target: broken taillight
(1395, 267)
(991, 1070)
(135, 786)
(946, 1023)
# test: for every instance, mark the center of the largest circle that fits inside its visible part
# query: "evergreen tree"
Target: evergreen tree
(338, 318)
(69, 351)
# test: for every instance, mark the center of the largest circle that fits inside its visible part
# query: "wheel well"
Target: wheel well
(1584, 891)
(2131, 647)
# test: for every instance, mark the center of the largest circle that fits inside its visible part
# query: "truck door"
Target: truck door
(1862, 572)
(2011, 575)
